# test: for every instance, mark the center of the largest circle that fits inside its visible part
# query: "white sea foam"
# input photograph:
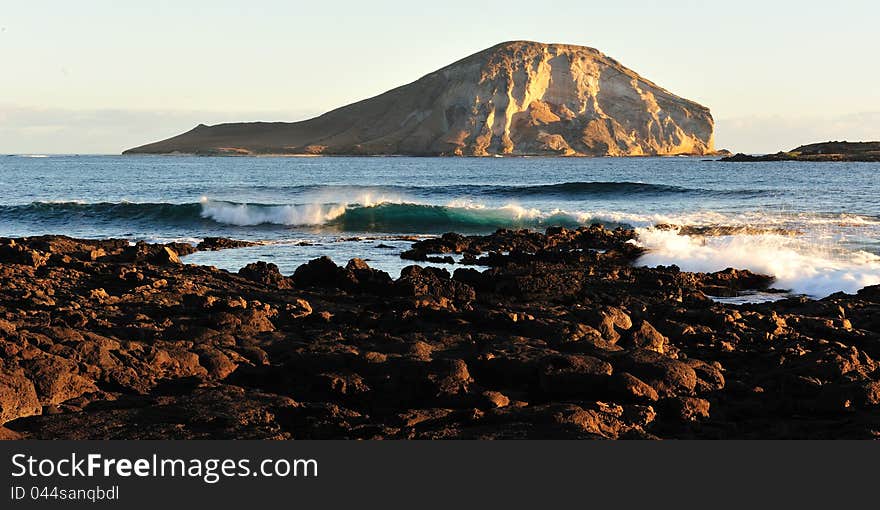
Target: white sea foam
(814, 263)
(248, 214)
(798, 266)
(512, 211)
(319, 210)
(188, 240)
(753, 218)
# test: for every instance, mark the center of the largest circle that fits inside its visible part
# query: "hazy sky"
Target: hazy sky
(98, 76)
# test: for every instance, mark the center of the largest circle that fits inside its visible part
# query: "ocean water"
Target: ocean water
(816, 227)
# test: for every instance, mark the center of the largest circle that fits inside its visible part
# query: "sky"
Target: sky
(102, 76)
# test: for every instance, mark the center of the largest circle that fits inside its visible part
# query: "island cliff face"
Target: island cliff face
(516, 98)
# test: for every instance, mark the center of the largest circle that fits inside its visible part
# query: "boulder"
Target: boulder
(320, 272)
(647, 337)
(573, 374)
(631, 388)
(57, 379)
(667, 376)
(432, 282)
(266, 274)
(18, 397)
(216, 363)
(222, 243)
(687, 408)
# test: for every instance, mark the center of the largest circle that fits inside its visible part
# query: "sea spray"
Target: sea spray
(798, 265)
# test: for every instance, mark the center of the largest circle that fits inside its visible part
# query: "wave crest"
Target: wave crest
(388, 213)
(258, 214)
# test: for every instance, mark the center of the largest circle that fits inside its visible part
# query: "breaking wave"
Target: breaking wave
(387, 213)
(382, 216)
(816, 258)
(261, 214)
(388, 216)
(799, 265)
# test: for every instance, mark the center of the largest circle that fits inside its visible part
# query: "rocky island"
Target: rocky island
(551, 334)
(515, 98)
(820, 152)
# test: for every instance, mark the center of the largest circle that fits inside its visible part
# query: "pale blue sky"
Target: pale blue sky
(98, 76)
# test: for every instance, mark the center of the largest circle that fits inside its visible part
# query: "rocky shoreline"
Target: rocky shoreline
(825, 152)
(536, 335)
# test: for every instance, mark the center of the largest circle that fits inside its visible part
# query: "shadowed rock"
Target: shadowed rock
(542, 335)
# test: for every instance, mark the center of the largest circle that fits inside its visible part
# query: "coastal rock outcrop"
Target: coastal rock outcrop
(818, 152)
(515, 98)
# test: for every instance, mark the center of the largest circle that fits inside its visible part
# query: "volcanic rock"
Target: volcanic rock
(543, 336)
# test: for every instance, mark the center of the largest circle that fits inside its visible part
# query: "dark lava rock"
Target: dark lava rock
(320, 272)
(818, 152)
(222, 243)
(557, 335)
(266, 274)
(223, 412)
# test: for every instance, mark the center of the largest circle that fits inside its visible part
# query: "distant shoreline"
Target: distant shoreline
(825, 152)
(443, 156)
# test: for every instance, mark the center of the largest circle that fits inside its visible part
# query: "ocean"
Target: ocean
(815, 226)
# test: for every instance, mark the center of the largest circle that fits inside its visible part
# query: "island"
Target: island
(515, 98)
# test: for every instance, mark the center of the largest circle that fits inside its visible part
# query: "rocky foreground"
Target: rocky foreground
(550, 335)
